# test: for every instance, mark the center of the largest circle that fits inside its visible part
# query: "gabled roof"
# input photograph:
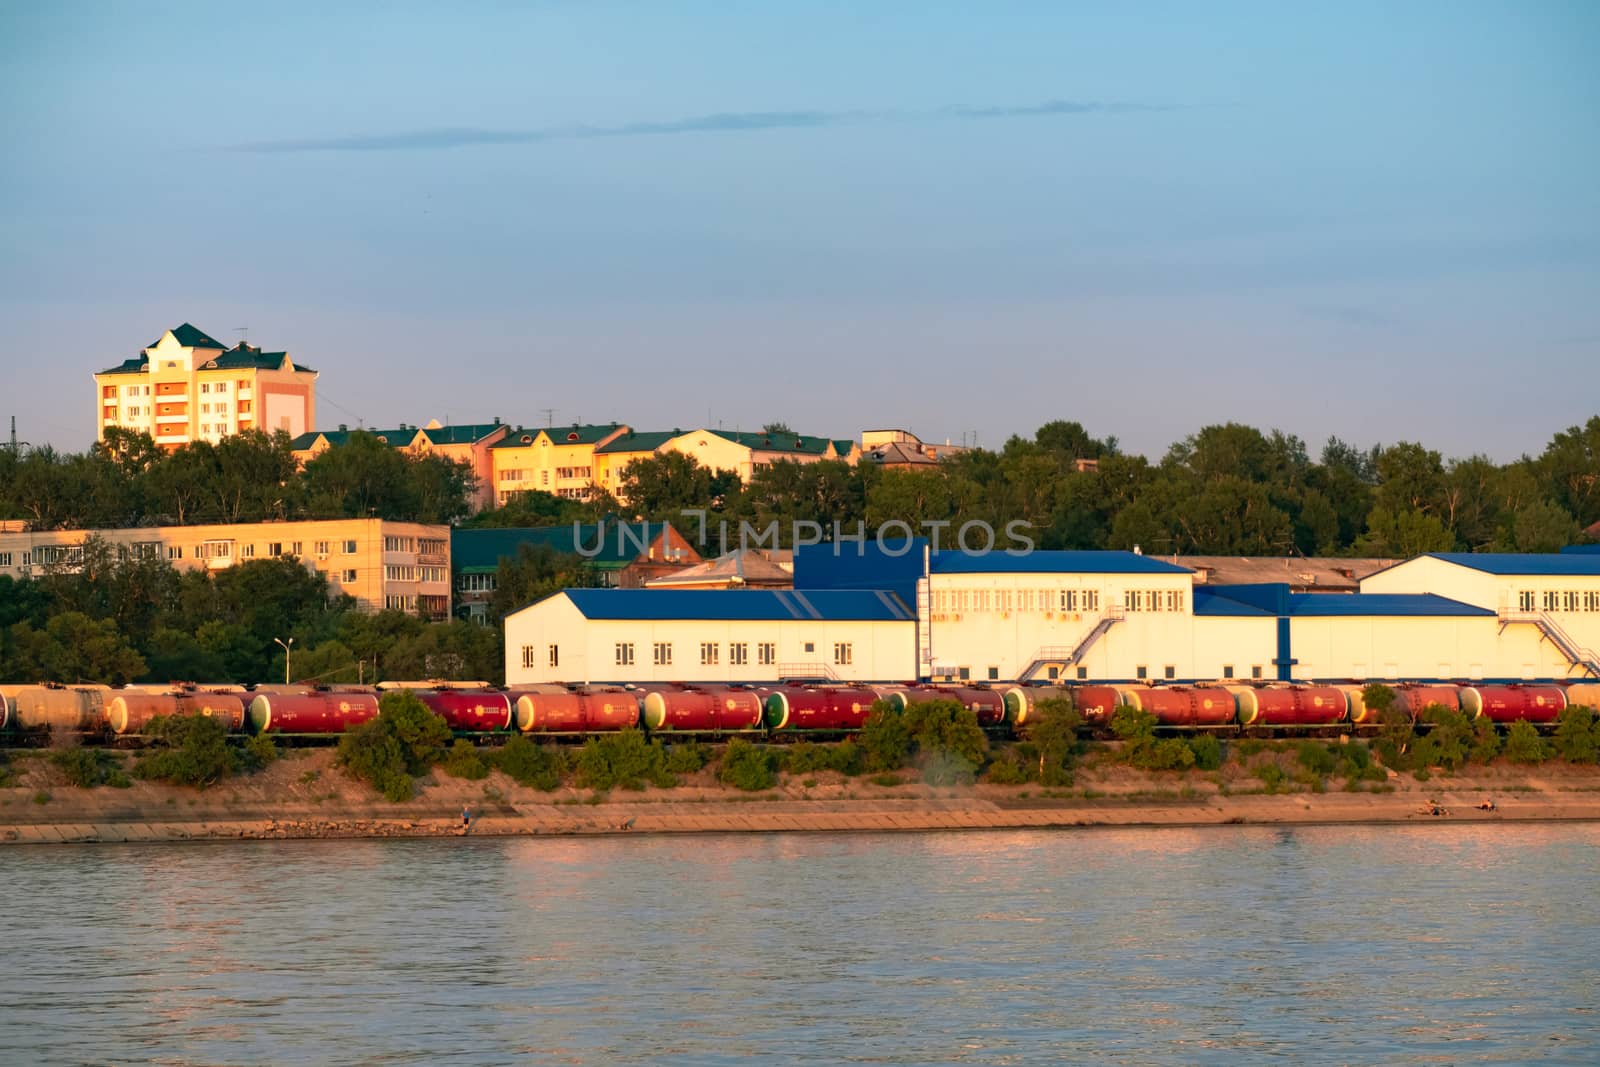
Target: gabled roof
(137, 365)
(1050, 562)
(478, 551)
(797, 444)
(1525, 563)
(740, 567)
(638, 441)
(246, 357)
(190, 337)
(585, 434)
(465, 434)
(397, 438)
(743, 605)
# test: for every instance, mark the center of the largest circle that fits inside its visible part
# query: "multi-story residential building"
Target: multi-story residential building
(903, 450)
(382, 564)
(558, 460)
(188, 386)
(469, 443)
(613, 457)
(743, 452)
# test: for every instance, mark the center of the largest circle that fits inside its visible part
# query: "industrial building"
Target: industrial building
(1115, 617)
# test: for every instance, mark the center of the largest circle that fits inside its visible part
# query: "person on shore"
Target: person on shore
(466, 819)
(1487, 805)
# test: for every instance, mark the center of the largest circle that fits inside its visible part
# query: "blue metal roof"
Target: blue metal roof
(1594, 549)
(893, 566)
(1371, 604)
(1529, 563)
(1235, 600)
(743, 605)
(1051, 562)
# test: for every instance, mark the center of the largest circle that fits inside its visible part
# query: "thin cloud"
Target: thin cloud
(721, 122)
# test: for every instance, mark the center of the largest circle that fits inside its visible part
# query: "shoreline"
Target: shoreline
(735, 815)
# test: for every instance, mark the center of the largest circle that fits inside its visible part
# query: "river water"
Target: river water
(1427, 945)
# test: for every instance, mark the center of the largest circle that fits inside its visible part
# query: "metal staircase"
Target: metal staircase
(1551, 630)
(815, 671)
(1062, 656)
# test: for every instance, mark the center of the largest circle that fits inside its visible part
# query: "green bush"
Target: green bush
(88, 767)
(536, 766)
(1052, 731)
(1207, 751)
(748, 767)
(1005, 769)
(404, 741)
(1271, 777)
(687, 757)
(627, 759)
(1315, 757)
(465, 762)
(1577, 737)
(806, 757)
(1524, 745)
(188, 750)
(1450, 738)
(948, 744)
(1379, 697)
(260, 751)
(1485, 741)
(885, 740)
(1141, 749)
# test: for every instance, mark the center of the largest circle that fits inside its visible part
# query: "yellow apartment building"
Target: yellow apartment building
(468, 443)
(613, 457)
(188, 386)
(559, 460)
(743, 452)
(382, 564)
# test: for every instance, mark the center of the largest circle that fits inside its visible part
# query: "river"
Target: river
(1229, 945)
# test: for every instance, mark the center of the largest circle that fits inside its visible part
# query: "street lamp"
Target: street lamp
(279, 642)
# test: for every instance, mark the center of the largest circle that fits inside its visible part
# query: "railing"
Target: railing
(1576, 655)
(1064, 656)
(806, 670)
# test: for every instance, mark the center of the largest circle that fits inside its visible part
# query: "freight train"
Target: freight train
(777, 711)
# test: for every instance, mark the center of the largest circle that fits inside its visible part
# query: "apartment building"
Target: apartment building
(468, 443)
(188, 386)
(558, 460)
(399, 565)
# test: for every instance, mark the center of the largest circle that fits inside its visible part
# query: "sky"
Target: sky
(1374, 220)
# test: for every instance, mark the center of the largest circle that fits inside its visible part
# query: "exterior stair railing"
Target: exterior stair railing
(1065, 656)
(1551, 630)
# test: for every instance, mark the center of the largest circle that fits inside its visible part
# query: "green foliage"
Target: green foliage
(464, 761)
(948, 744)
(1006, 769)
(89, 767)
(626, 759)
(1379, 697)
(885, 740)
(1577, 738)
(1207, 751)
(1524, 745)
(388, 752)
(1272, 777)
(1141, 748)
(526, 763)
(188, 750)
(1449, 741)
(1315, 757)
(1052, 729)
(687, 757)
(748, 767)
(260, 751)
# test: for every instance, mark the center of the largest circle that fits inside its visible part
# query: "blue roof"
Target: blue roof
(1258, 601)
(1582, 549)
(1051, 562)
(1369, 604)
(893, 566)
(1519, 563)
(667, 605)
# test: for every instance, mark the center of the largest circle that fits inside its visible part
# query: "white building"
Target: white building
(641, 635)
(1546, 606)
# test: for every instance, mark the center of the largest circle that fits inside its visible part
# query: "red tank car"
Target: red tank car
(555, 710)
(469, 710)
(1291, 705)
(1414, 698)
(711, 709)
(828, 708)
(1185, 706)
(310, 713)
(1022, 700)
(1513, 703)
(1096, 703)
(989, 705)
(130, 711)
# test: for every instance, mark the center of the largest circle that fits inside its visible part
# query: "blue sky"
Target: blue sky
(1373, 220)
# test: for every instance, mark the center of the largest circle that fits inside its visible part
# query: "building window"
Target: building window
(1169, 671)
(1083, 672)
(624, 653)
(1069, 600)
(396, 544)
(1091, 600)
(1591, 602)
(1255, 672)
(205, 387)
(738, 654)
(222, 387)
(1551, 600)
(294, 548)
(994, 674)
(396, 573)
(965, 674)
(347, 577)
(842, 653)
(247, 551)
(767, 653)
(1227, 672)
(527, 657)
(5, 559)
(349, 548)
(811, 646)
(174, 551)
(321, 548)
(708, 653)
(662, 653)
(1175, 600)
(1143, 671)
(1569, 600)
(400, 602)
(555, 655)
(1527, 600)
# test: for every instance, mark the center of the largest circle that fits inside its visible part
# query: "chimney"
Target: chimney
(343, 428)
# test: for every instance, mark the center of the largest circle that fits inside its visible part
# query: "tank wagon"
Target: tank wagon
(310, 714)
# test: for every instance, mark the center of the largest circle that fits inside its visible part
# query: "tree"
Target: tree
(1052, 727)
(1398, 536)
(73, 648)
(534, 573)
(662, 486)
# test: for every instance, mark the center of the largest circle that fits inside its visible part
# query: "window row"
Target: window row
(1559, 600)
(947, 601)
(661, 653)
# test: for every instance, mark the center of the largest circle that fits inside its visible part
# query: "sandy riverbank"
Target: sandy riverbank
(307, 797)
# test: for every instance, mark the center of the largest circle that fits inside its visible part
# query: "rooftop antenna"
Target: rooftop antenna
(549, 416)
(243, 332)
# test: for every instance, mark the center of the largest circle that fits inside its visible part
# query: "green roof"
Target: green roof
(189, 337)
(479, 551)
(461, 435)
(561, 435)
(137, 365)
(639, 441)
(843, 446)
(341, 437)
(797, 443)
